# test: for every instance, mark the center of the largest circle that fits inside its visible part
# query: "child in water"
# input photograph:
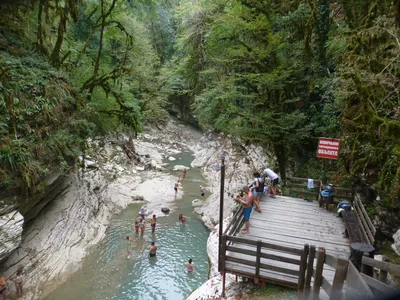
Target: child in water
(136, 226)
(129, 242)
(182, 219)
(189, 266)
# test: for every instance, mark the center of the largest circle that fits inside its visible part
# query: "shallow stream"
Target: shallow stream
(107, 273)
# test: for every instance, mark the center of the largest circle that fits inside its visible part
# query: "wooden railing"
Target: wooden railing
(366, 225)
(243, 257)
(298, 187)
(235, 223)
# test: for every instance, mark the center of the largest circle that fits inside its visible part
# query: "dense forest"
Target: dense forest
(278, 73)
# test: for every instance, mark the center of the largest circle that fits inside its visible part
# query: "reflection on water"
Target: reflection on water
(107, 273)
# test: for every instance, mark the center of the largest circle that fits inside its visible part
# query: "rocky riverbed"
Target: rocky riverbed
(54, 242)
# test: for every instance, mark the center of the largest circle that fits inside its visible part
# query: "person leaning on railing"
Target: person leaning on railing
(247, 206)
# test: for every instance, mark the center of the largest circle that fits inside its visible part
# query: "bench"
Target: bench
(353, 230)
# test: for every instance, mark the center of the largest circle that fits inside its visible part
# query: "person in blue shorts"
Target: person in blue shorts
(247, 205)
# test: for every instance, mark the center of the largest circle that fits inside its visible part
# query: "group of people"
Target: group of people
(252, 194)
(17, 278)
(183, 176)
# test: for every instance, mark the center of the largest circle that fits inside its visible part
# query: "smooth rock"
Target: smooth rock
(171, 158)
(153, 163)
(10, 232)
(90, 164)
(197, 202)
(396, 244)
(138, 198)
(165, 210)
(140, 168)
(180, 168)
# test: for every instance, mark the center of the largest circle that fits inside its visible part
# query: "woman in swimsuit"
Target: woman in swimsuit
(141, 225)
(153, 223)
(3, 288)
(18, 280)
(189, 266)
(136, 226)
(182, 219)
(128, 241)
(176, 187)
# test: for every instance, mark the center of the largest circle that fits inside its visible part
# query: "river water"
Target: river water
(107, 273)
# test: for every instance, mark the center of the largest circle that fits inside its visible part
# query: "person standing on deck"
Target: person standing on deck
(247, 207)
(274, 180)
(257, 190)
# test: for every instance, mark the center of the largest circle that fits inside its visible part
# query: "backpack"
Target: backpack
(260, 188)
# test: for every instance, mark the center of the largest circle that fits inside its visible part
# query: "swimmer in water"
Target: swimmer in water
(189, 266)
(153, 223)
(153, 250)
(182, 219)
(142, 213)
(184, 173)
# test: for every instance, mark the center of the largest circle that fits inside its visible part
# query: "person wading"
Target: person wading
(153, 250)
(247, 207)
(153, 223)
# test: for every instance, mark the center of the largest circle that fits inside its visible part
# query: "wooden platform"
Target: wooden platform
(290, 222)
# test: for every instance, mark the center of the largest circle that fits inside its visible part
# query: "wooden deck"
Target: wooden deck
(289, 222)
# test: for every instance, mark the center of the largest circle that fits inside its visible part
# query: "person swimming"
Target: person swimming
(182, 219)
(189, 266)
(153, 250)
(142, 213)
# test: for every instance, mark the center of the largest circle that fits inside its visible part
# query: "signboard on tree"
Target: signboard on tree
(328, 148)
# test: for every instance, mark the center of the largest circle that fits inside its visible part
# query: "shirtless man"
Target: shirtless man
(184, 173)
(153, 250)
(247, 206)
(176, 187)
(153, 222)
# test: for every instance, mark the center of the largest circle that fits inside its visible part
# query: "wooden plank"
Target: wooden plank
(376, 284)
(271, 277)
(234, 218)
(365, 224)
(338, 280)
(291, 191)
(305, 180)
(371, 226)
(331, 261)
(327, 287)
(281, 259)
(302, 271)
(382, 273)
(309, 272)
(318, 273)
(279, 269)
(240, 250)
(385, 266)
(240, 261)
(258, 260)
(354, 280)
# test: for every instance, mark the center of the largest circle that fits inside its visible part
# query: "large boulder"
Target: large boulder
(396, 244)
(10, 232)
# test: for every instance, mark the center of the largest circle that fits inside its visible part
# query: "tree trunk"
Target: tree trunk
(39, 40)
(281, 157)
(62, 28)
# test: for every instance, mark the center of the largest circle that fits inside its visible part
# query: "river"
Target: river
(107, 273)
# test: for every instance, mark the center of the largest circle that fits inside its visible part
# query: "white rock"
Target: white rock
(10, 232)
(171, 158)
(197, 202)
(159, 168)
(91, 164)
(180, 168)
(140, 168)
(396, 244)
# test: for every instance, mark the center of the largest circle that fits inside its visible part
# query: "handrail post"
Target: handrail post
(302, 270)
(221, 207)
(309, 273)
(338, 280)
(383, 274)
(318, 273)
(258, 262)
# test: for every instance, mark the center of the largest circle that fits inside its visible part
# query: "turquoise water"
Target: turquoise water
(108, 274)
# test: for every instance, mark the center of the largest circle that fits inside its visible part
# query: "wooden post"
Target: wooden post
(223, 254)
(302, 269)
(318, 273)
(258, 261)
(221, 207)
(338, 280)
(383, 274)
(310, 269)
(223, 285)
(368, 270)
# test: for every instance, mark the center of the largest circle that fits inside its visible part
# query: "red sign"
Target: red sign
(328, 148)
